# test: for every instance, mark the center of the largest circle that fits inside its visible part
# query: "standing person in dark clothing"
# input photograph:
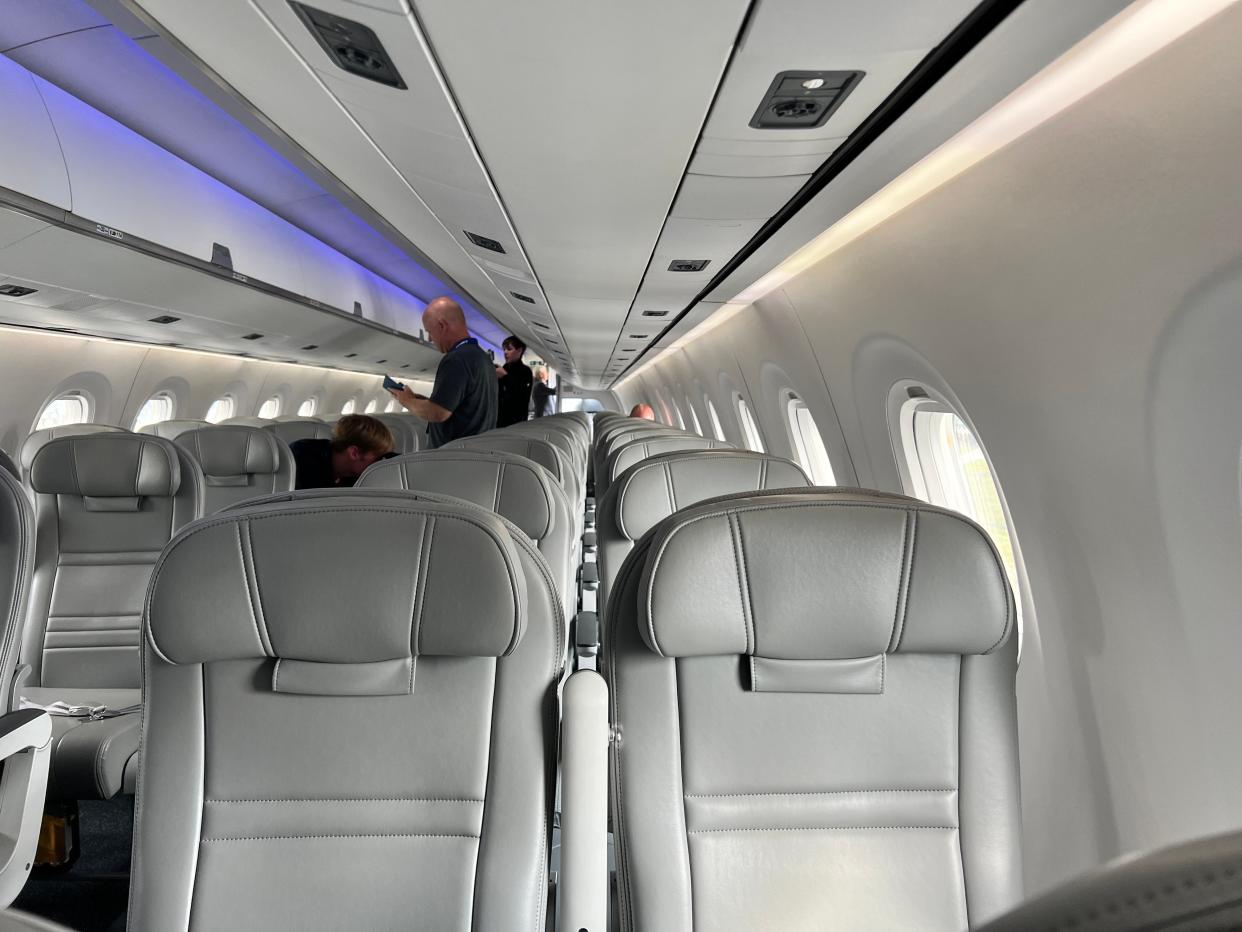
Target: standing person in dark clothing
(464, 398)
(542, 393)
(515, 384)
(357, 442)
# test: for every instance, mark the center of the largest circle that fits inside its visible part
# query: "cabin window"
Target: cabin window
(221, 409)
(372, 407)
(948, 467)
(717, 430)
(307, 408)
(807, 443)
(270, 408)
(157, 408)
(676, 415)
(391, 407)
(750, 430)
(73, 408)
(349, 407)
(694, 418)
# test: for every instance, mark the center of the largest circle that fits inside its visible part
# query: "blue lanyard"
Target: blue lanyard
(463, 342)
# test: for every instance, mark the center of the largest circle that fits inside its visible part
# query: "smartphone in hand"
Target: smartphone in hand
(393, 385)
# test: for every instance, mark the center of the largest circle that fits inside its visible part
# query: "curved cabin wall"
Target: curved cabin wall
(1078, 294)
(75, 158)
(36, 367)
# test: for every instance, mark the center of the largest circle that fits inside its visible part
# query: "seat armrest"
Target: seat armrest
(582, 894)
(586, 641)
(590, 576)
(25, 748)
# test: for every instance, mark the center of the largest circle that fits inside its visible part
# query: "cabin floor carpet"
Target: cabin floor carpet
(94, 895)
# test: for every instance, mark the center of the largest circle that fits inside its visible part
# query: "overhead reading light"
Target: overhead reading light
(309, 347)
(655, 313)
(535, 323)
(165, 319)
(380, 362)
(639, 336)
(484, 242)
(253, 336)
(688, 265)
(16, 291)
(405, 365)
(350, 355)
(522, 297)
(353, 46)
(803, 99)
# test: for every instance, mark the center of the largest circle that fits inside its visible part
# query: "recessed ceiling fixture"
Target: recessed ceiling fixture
(253, 336)
(165, 319)
(655, 313)
(484, 242)
(639, 336)
(350, 355)
(310, 346)
(522, 297)
(354, 47)
(688, 265)
(380, 362)
(16, 291)
(803, 99)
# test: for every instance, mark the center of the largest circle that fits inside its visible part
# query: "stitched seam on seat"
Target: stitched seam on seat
(625, 892)
(668, 483)
(825, 828)
(252, 571)
(914, 548)
(799, 793)
(743, 585)
(254, 618)
(342, 835)
(903, 583)
(420, 584)
(353, 799)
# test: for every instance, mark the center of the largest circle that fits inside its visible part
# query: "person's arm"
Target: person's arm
(425, 408)
(501, 372)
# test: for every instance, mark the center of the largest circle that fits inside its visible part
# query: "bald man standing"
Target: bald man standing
(463, 401)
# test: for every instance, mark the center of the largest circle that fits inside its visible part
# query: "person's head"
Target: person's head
(445, 323)
(358, 440)
(644, 411)
(514, 348)
(541, 375)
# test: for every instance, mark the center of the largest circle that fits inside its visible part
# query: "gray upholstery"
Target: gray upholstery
(171, 430)
(514, 487)
(8, 465)
(36, 440)
(873, 783)
(13, 921)
(646, 494)
(308, 428)
(105, 505)
(17, 555)
(350, 798)
(637, 449)
(408, 432)
(1196, 885)
(621, 432)
(541, 451)
(238, 462)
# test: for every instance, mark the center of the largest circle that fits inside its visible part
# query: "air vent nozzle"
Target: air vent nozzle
(253, 336)
(638, 336)
(803, 99)
(353, 46)
(350, 355)
(310, 346)
(523, 297)
(688, 265)
(484, 242)
(165, 319)
(655, 313)
(16, 291)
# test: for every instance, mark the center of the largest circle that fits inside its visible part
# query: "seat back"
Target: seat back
(238, 462)
(39, 438)
(816, 696)
(536, 449)
(105, 506)
(640, 448)
(622, 431)
(514, 487)
(649, 492)
(171, 430)
(9, 466)
(408, 432)
(307, 428)
(17, 555)
(359, 736)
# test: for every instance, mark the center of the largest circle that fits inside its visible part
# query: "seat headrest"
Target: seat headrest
(171, 430)
(36, 441)
(623, 457)
(510, 485)
(823, 574)
(234, 450)
(648, 493)
(344, 591)
(7, 464)
(537, 449)
(107, 465)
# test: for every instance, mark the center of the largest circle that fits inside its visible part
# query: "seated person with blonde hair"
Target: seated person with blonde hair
(357, 442)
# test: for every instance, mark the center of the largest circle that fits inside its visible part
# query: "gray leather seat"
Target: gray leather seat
(248, 420)
(814, 693)
(13, 921)
(514, 487)
(640, 448)
(618, 433)
(649, 492)
(408, 431)
(541, 451)
(306, 428)
(171, 430)
(105, 505)
(359, 736)
(8, 465)
(238, 463)
(35, 441)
